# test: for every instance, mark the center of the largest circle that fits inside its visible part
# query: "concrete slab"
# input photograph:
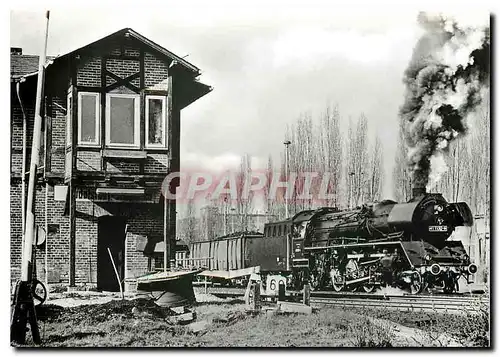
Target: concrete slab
(294, 307)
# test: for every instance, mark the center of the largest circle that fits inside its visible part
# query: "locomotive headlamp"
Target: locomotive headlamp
(472, 268)
(438, 208)
(428, 257)
(435, 269)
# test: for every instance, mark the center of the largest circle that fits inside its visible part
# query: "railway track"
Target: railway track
(442, 303)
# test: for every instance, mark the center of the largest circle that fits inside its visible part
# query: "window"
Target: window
(122, 120)
(88, 118)
(69, 110)
(155, 121)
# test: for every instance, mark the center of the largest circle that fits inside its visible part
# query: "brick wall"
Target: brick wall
(57, 240)
(15, 230)
(116, 166)
(131, 51)
(86, 243)
(88, 161)
(122, 68)
(144, 221)
(58, 151)
(89, 72)
(156, 72)
(156, 164)
(16, 125)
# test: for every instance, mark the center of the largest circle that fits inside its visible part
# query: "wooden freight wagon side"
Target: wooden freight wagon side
(228, 254)
(199, 255)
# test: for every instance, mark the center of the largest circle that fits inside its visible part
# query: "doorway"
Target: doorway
(110, 234)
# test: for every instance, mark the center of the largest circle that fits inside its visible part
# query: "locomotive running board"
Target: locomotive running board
(355, 245)
(364, 245)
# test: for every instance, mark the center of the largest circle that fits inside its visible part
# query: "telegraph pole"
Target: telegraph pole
(24, 307)
(287, 143)
(232, 219)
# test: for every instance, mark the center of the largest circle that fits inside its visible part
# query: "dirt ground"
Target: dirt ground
(89, 319)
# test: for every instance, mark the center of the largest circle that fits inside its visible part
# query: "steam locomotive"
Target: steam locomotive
(383, 243)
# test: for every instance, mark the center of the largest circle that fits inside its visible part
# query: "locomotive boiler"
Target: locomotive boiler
(402, 244)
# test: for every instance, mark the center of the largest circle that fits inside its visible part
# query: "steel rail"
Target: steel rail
(462, 304)
(465, 307)
(356, 295)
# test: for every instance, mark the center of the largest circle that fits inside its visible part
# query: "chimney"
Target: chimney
(16, 51)
(418, 191)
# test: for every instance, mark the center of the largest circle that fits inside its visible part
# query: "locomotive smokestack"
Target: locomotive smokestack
(418, 191)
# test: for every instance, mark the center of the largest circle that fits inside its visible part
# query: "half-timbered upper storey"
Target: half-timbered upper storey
(112, 110)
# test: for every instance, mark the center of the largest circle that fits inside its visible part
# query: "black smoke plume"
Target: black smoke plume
(444, 80)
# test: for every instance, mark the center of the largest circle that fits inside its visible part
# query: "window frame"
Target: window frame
(146, 119)
(137, 120)
(97, 140)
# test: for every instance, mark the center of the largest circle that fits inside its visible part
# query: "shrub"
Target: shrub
(367, 334)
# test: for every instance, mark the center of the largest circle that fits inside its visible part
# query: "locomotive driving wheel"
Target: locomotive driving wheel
(368, 287)
(417, 283)
(352, 272)
(337, 280)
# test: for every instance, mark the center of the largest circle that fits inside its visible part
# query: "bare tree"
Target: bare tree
(401, 171)
(274, 207)
(244, 206)
(357, 161)
(209, 225)
(350, 159)
(330, 153)
(190, 223)
(468, 160)
(317, 148)
(376, 171)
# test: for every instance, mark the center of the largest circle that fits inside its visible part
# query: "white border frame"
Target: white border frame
(97, 140)
(137, 120)
(164, 117)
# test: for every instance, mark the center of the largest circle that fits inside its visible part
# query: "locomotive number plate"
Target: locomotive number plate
(438, 228)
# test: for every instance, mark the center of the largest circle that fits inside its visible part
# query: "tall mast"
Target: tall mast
(34, 162)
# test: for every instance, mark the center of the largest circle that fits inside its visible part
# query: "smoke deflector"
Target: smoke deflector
(463, 214)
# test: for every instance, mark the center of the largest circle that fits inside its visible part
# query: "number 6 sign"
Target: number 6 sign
(273, 282)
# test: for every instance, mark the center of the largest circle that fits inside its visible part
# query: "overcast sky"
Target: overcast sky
(267, 66)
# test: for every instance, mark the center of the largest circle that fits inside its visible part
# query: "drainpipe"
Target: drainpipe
(46, 233)
(166, 245)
